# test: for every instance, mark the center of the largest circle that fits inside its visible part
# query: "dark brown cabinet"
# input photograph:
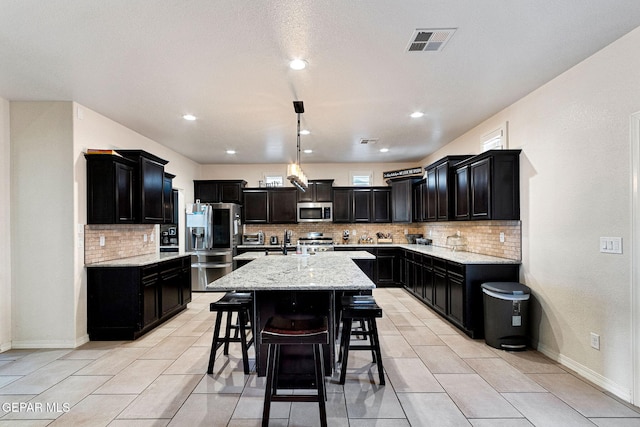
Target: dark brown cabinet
(454, 289)
(255, 206)
(282, 205)
(444, 192)
(148, 194)
(387, 271)
(110, 186)
(270, 206)
(318, 191)
(168, 199)
(219, 191)
(124, 303)
(342, 205)
(361, 204)
(488, 186)
(404, 199)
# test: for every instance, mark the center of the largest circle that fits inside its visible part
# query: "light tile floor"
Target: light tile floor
(436, 376)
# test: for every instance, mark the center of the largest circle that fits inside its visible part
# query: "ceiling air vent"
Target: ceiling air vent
(424, 40)
(365, 141)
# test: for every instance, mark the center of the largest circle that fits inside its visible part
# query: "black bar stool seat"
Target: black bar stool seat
(240, 303)
(360, 308)
(294, 330)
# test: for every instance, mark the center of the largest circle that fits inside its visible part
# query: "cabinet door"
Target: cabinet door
(361, 205)
(480, 173)
(170, 286)
(461, 188)
(324, 191)
(387, 264)
(455, 285)
(401, 195)
(150, 300)
(167, 199)
(231, 192)
(185, 281)
(427, 280)
(256, 206)
(442, 192)
(342, 205)
(381, 198)
(282, 206)
(309, 195)
(124, 193)
(206, 191)
(431, 206)
(416, 207)
(151, 198)
(440, 286)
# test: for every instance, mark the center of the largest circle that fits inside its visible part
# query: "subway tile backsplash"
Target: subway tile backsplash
(482, 237)
(120, 241)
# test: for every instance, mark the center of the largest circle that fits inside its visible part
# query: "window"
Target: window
(495, 140)
(361, 178)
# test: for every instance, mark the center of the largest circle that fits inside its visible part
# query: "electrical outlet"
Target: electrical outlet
(152, 237)
(102, 241)
(595, 341)
(145, 238)
(501, 237)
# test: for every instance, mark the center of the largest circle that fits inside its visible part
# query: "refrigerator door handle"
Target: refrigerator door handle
(209, 229)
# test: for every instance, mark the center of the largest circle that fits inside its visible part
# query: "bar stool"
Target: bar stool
(360, 308)
(298, 330)
(240, 303)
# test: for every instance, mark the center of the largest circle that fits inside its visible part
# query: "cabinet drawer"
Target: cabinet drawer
(440, 264)
(455, 269)
(148, 272)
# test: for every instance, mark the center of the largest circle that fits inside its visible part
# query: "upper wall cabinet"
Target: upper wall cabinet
(219, 191)
(402, 202)
(127, 189)
(487, 186)
(269, 206)
(167, 199)
(319, 190)
(361, 204)
(148, 195)
(110, 181)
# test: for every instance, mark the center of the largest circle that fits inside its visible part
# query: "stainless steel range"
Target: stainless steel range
(317, 242)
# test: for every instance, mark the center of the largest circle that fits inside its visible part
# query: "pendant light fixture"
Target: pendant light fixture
(294, 171)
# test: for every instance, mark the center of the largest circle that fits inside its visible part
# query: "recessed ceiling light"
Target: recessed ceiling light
(304, 132)
(417, 114)
(308, 151)
(231, 151)
(298, 64)
(189, 117)
(384, 150)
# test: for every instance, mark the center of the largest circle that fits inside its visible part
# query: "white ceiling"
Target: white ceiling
(145, 63)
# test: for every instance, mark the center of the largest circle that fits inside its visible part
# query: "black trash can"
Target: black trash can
(506, 309)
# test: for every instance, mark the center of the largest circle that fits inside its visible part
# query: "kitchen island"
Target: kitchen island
(302, 284)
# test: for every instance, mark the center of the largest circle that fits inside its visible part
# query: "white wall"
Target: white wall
(252, 173)
(5, 242)
(575, 187)
(42, 225)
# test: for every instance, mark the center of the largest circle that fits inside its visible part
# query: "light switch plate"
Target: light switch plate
(611, 245)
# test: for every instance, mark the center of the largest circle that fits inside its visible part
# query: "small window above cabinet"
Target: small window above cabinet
(318, 191)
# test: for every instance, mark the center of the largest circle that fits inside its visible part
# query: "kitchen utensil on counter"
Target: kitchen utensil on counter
(273, 240)
(411, 238)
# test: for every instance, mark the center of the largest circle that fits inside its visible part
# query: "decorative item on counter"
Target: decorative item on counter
(345, 236)
(411, 238)
(423, 241)
(456, 242)
(364, 239)
(384, 238)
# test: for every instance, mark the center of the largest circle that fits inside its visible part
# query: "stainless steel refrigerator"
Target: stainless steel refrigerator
(213, 232)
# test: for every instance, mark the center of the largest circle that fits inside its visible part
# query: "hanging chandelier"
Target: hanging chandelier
(294, 172)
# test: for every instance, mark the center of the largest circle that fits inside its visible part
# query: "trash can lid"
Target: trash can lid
(510, 288)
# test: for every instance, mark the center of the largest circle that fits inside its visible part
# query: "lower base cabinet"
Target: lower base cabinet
(127, 302)
(453, 289)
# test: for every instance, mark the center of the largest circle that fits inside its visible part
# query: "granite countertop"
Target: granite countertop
(323, 271)
(139, 261)
(438, 251)
(248, 256)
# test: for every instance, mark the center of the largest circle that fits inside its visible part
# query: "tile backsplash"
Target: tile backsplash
(120, 241)
(482, 237)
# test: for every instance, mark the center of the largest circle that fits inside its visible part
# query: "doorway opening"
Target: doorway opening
(635, 254)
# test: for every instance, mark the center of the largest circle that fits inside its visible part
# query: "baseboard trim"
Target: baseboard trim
(50, 344)
(597, 379)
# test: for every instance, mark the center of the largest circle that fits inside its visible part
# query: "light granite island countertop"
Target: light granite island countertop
(322, 271)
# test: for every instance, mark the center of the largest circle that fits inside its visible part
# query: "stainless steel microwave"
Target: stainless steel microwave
(315, 212)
